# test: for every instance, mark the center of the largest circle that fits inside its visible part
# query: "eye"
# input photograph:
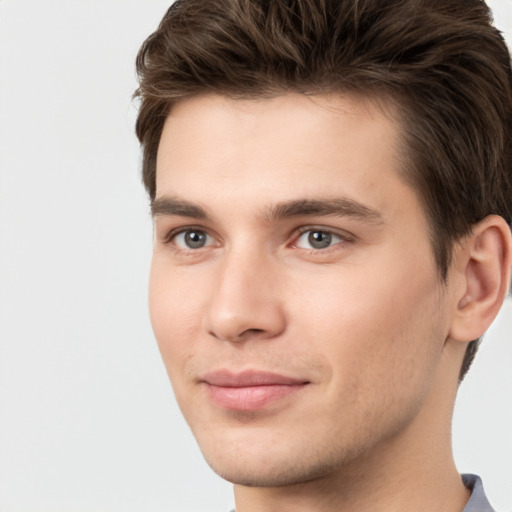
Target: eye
(192, 239)
(317, 239)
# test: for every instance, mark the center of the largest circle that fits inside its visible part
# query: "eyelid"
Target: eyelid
(346, 238)
(326, 229)
(170, 235)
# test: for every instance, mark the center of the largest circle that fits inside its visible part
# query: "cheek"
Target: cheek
(380, 323)
(174, 313)
(380, 347)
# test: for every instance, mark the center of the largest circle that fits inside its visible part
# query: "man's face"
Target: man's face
(293, 292)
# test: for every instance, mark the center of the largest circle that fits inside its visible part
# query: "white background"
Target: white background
(88, 421)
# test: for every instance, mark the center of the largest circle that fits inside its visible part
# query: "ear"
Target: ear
(484, 262)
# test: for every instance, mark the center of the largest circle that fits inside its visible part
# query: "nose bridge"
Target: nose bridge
(244, 301)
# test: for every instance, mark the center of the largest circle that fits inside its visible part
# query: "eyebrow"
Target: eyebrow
(179, 207)
(340, 207)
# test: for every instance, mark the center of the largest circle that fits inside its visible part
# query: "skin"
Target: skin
(365, 322)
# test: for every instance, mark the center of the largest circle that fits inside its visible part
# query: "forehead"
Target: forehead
(279, 149)
(294, 116)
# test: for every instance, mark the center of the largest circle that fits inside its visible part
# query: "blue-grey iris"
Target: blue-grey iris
(319, 239)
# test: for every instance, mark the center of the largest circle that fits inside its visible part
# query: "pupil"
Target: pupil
(195, 239)
(319, 239)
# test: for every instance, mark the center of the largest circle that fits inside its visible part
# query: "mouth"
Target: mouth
(249, 390)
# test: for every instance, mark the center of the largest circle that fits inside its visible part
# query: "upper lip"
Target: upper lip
(247, 378)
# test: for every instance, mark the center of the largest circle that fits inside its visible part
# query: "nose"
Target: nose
(245, 302)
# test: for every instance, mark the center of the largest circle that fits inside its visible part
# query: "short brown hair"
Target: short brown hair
(440, 62)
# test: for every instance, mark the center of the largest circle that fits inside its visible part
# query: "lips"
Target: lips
(249, 390)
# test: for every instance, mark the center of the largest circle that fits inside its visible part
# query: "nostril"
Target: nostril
(255, 331)
(248, 334)
(252, 334)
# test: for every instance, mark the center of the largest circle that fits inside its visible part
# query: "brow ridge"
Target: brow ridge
(174, 206)
(342, 207)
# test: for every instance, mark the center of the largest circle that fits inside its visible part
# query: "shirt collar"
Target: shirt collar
(478, 501)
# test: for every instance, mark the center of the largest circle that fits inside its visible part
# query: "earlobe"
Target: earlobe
(485, 259)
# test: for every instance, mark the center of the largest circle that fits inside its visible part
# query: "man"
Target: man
(331, 186)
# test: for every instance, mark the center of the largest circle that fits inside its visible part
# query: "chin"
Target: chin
(270, 473)
(260, 462)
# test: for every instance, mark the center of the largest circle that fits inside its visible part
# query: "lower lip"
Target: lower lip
(250, 398)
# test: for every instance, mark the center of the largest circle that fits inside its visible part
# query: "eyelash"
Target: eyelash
(345, 238)
(171, 236)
